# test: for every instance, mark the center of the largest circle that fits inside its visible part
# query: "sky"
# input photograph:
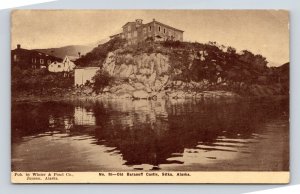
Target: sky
(262, 32)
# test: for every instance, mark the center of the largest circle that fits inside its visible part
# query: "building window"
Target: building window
(135, 33)
(59, 66)
(150, 29)
(144, 30)
(129, 35)
(41, 61)
(164, 30)
(15, 57)
(49, 61)
(159, 28)
(129, 28)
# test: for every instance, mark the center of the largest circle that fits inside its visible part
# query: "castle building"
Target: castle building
(136, 32)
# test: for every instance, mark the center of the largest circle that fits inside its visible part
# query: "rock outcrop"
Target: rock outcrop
(147, 72)
(186, 70)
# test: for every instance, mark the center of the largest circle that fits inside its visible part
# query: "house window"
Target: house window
(59, 66)
(159, 28)
(135, 33)
(144, 30)
(150, 29)
(15, 57)
(41, 61)
(164, 30)
(129, 28)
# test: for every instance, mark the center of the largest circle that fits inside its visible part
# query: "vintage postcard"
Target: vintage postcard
(150, 96)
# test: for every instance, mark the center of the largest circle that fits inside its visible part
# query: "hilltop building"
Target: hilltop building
(25, 58)
(135, 32)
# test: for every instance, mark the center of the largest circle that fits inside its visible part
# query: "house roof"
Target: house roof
(72, 58)
(34, 52)
(127, 24)
(154, 21)
(164, 25)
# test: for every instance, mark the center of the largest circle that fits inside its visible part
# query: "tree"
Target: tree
(101, 80)
(257, 61)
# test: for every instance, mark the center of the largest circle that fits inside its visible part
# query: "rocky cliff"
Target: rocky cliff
(184, 70)
(149, 76)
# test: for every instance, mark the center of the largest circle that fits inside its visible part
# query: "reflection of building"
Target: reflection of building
(84, 74)
(66, 65)
(60, 122)
(84, 117)
(25, 58)
(135, 32)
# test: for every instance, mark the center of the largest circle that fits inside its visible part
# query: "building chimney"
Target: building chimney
(139, 21)
(18, 46)
(153, 19)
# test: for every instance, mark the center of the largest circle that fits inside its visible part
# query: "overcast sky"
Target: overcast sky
(262, 32)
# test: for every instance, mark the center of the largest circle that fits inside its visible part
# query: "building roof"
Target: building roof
(34, 52)
(72, 58)
(164, 25)
(154, 21)
(127, 24)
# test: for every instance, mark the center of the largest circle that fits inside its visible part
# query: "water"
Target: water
(175, 135)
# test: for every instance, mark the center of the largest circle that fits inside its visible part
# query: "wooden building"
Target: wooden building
(135, 32)
(67, 65)
(26, 59)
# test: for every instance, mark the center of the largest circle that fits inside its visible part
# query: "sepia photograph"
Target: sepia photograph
(150, 96)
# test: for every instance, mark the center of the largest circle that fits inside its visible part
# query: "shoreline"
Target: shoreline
(176, 95)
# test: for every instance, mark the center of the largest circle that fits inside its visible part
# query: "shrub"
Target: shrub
(38, 80)
(98, 54)
(171, 43)
(101, 80)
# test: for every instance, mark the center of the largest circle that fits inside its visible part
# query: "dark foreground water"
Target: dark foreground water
(204, 135)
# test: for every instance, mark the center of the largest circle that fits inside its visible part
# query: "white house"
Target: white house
(66, 65)
(84, 74)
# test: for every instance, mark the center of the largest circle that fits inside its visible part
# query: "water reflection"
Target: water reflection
(83, 116)
(150, 135)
